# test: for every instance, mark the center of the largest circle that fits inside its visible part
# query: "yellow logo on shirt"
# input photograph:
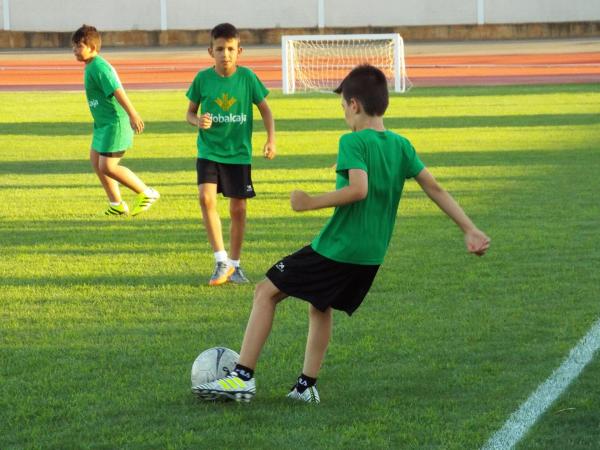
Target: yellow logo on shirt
(225, 102)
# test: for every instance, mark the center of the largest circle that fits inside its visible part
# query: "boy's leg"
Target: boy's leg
(207, 194)
(240, 384)
(110, 185)
(266, 297)
(110, 167)
(319, 334)
(237, 211)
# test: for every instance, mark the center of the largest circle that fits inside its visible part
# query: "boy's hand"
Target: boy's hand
(205, 121)
(477, 242)
(137, 124)
(269, 150)
(300, 201)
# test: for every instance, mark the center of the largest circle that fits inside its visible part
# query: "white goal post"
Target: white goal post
(320, 62)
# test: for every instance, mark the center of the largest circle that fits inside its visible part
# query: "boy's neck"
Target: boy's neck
(364, 122)
(91, 58)
(223, 73)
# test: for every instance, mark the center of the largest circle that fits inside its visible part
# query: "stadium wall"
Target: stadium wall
(36, 23)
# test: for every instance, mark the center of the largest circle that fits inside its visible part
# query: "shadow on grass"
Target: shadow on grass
(323, 124)
(140, 163)
(117, 240)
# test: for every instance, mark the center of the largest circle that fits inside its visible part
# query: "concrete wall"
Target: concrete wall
(116, 15)
(541, 11)
(68, 15)
(257, 14)
(356, 13)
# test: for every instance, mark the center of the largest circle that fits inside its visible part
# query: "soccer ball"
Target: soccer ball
(212, 364)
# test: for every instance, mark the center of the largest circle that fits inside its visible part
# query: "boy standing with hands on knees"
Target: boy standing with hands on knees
(337, 269)
(220, 106)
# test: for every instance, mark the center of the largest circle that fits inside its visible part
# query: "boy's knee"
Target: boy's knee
(207, 201)
(237, 209)
(266, 292)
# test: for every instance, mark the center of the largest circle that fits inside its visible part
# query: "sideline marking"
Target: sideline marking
(523, 419)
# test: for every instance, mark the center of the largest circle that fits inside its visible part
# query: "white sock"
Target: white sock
(115, 203)
(234, 262)
(221, 256)
(149, 192)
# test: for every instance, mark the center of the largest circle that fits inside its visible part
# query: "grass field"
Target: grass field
(101, 319)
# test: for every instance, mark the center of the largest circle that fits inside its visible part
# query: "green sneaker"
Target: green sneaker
(229, 387)
(238, 276)
(309, 395)
(143, 202)
(120, 210)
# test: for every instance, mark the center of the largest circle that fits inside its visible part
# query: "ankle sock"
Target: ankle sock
(245, 373)
(221, 256)
(304, 382)
(234, 262)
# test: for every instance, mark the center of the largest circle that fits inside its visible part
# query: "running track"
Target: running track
(164, 70)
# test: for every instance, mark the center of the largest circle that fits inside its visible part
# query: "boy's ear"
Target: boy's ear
(210, 51)
(355, 105)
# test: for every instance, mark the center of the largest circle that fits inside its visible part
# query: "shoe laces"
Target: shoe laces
(218, 266)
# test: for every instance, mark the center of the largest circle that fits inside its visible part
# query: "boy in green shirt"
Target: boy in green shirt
(115, 120)
(336, 270)
(225, 94)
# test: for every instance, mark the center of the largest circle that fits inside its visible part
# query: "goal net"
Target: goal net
(320, 62)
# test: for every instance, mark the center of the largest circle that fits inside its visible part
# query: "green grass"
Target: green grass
(101, 319)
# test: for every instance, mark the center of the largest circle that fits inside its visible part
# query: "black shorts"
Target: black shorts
(321, 281)
(111, 154)
(233, 180)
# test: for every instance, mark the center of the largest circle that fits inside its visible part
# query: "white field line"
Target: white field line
(523, 419)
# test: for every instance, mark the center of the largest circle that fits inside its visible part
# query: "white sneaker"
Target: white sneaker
(309, 395)
(231, 386)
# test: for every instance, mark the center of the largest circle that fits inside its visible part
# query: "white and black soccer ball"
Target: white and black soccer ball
(212, 364)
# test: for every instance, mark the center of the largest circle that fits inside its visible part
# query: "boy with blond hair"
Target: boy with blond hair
(115, 120)
(220, 107)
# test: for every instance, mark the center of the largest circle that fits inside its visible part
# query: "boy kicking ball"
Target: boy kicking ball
(115, 120)
(337, 269)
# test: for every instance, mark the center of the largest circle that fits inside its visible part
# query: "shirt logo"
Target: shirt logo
(225, 102)
(93, 103)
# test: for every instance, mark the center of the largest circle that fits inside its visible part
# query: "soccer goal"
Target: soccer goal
(320, 62)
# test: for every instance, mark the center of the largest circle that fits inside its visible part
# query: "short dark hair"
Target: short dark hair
(88, 35)
(368, 85)
(224, 30)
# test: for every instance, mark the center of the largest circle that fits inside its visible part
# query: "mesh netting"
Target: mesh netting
(320, 65)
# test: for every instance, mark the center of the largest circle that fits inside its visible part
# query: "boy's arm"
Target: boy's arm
(136, 122)
(475, 240)
(267, 116)
(203, 121)
(356, 191)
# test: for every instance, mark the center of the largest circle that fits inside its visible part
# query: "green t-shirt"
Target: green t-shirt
(229, 100)
(101, 82)
(360, 232)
